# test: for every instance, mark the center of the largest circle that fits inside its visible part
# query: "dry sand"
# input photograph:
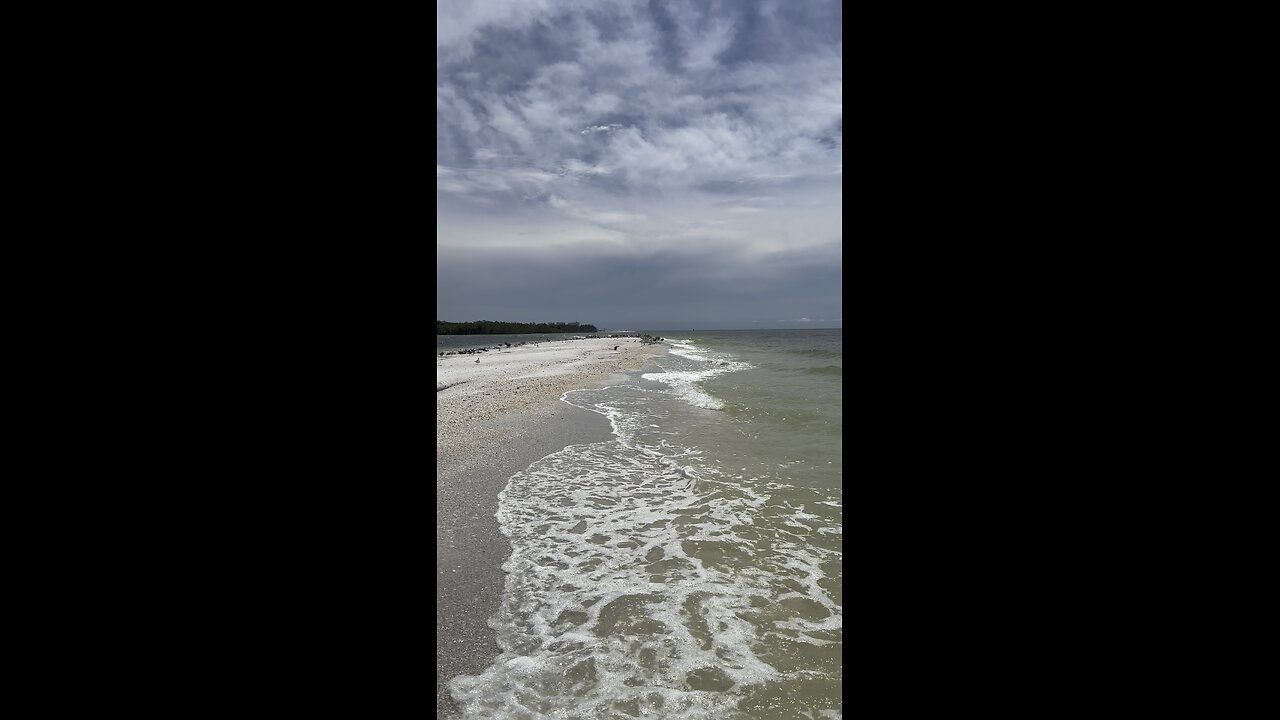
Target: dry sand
(493, 419)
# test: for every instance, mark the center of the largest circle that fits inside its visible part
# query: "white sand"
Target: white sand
(547, 359)
(520, 378)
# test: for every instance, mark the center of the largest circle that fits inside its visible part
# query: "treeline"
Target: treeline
(489, 327)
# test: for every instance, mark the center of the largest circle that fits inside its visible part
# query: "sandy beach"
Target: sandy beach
(493, 419)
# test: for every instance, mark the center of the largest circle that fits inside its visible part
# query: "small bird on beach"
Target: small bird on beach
(477, 361)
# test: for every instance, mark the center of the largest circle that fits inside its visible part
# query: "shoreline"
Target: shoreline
(494, 419)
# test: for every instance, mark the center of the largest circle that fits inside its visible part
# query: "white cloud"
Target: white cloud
(459, 21)
(514, 181)
(580, 211)
(623, 136)
(764, 122)
(703, 48)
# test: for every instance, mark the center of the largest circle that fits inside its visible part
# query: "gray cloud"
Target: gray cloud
(647, 290)
(694, 140)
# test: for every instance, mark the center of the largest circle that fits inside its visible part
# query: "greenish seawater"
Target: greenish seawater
(692, 566)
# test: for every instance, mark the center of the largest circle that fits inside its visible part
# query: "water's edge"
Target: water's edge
(470, 547)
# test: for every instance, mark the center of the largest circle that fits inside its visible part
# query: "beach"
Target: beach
(493, 419)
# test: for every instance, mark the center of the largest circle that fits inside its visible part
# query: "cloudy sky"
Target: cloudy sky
(639, 164)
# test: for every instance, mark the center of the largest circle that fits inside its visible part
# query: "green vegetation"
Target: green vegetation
(489, 327)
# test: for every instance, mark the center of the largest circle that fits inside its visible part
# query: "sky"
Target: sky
(639, 164)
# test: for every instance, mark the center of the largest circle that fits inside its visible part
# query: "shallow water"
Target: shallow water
(691, 567)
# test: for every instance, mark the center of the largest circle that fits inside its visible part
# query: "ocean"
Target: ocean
(690, 567)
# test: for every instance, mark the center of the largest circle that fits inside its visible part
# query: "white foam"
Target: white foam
(695, 366)
(636, 566)
(685, 384)
(683, 349)
(603, 530)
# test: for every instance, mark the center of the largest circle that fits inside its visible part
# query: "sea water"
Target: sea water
(691, 566)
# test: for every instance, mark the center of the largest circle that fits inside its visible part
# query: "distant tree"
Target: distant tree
(490, 327)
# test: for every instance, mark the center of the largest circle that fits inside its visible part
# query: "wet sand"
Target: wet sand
(493, 419)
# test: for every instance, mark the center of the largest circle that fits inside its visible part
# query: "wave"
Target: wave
(687, 350)
(687, 383)
(635, 585)
(812, 352)
(647, 580)
(835, 370)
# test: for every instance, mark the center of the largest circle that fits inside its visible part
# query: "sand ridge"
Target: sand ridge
(520, 378)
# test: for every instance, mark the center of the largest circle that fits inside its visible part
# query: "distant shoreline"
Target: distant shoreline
(490, 327)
